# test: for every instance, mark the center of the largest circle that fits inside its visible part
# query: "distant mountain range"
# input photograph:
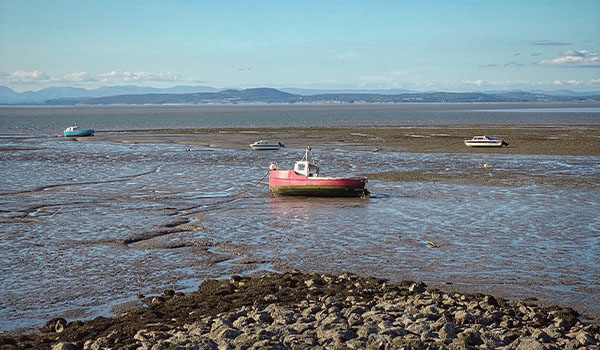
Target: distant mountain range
(9, 96)
(137, 95)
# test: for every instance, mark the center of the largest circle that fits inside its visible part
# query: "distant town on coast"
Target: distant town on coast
(138, 95)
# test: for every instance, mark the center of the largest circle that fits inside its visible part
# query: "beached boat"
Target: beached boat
(74, 131)
(264, 145)
(304, 180)
(485, 141)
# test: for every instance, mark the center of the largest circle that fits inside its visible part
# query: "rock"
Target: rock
(56, 325)
(470, 337)
(219, 323)
(585, 338)
(336, 335)
(356, 344)
(463, 317)
(310, 283)
(64, 346)
(356, 309)
(270, 298)
(367, 330)
(488, 301)
(418, 328)
(157, 300)
(541, 336)
(355, 320)
(228, 333)
(60, 325)
(530, 344)
(377, 341)
(168, 293)
(302, 327)
(431, 312)
(234, 316)
(417, 287)
(447, 331)
(262, 316)
(204, 344)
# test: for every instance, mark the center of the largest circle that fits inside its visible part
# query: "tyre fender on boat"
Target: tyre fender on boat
(272, 166)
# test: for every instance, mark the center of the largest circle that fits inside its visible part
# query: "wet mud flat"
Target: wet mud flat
(581, 140)
(296, 310)
(172, 228)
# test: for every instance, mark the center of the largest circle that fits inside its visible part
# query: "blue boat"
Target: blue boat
(74, 131)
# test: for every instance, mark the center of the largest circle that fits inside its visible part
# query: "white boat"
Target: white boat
(485, 141)
(75, 131)
(264, 145)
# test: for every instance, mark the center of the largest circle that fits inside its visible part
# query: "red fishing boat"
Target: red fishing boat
(304, 180)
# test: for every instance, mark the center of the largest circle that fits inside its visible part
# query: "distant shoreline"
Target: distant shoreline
(271, 95)
(462, 105)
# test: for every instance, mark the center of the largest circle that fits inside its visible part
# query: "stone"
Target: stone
(232, 317)
(228, 333)
(356, 309)
(64, 346)
(302, 327)
(541, 336)
(355, 320)
(417, 287)
(447, 331)
(470, 337)
(168, 293)
(336, 335)
(263, 317)
(530, 344)
(463, 317)
(418, 328)
(220, 323)
(585, 338)
(367, 330)
(431, 312)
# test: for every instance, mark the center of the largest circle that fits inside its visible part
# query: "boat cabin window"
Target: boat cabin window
(307, 169)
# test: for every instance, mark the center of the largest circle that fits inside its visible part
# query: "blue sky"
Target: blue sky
(414, 45)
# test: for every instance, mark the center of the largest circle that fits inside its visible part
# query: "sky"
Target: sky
(413, 45)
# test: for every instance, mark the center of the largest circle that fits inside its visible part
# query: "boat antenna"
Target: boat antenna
(308, 156)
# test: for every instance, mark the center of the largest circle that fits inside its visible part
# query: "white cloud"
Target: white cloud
(573, 58)
(525, 84)
(145, 76)
(74, 78)
(36, 78)
(29, 77)
(108, 75)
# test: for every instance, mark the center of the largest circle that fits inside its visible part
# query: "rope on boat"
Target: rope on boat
(230, 198)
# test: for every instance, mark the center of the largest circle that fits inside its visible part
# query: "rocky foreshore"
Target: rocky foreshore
(295, 310)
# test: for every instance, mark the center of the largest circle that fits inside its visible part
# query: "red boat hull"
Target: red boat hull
(289, 183)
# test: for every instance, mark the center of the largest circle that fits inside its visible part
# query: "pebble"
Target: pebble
(403, 317)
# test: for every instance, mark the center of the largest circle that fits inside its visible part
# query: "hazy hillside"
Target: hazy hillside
(9, 96)
(267, 95)
(137, 95)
